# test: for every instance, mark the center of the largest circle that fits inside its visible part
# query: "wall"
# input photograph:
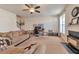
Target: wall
(69, 18)
(50, 23)
(7, 21)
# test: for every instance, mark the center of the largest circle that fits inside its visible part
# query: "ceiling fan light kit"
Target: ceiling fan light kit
(31, 8)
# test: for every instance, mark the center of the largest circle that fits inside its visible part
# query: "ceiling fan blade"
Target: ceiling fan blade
(37, 7)
(25, 9)
(27, 5)
(31, 5)
(37, 11)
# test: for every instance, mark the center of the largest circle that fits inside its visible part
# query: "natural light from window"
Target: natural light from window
(62, 23)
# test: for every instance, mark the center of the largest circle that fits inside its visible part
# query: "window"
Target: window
(62, 23)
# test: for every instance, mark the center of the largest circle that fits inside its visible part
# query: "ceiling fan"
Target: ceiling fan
(32, 8)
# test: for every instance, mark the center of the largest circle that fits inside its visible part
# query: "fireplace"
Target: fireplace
(73, 41)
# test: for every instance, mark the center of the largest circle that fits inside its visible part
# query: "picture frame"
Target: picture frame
(74, 21)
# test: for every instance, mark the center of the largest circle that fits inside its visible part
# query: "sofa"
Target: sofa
(12, 37)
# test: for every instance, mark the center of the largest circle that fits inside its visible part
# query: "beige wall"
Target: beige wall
(69, 18)
(50, 23)
(7, 21)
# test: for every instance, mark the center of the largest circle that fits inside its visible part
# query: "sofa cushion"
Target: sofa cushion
(6, 40)
(19, 38)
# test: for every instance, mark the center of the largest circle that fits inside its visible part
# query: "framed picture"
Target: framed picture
(74, 21)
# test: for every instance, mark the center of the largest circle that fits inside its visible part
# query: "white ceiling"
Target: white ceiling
(45, 9)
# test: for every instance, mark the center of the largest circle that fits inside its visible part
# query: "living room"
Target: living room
(18, 24)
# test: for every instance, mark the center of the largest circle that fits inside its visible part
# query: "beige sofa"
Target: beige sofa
(13, 37)
(17, 37)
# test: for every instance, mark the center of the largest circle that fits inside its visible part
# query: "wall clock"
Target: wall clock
(75, 11)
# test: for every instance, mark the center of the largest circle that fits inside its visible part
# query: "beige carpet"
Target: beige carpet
(52, 45)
